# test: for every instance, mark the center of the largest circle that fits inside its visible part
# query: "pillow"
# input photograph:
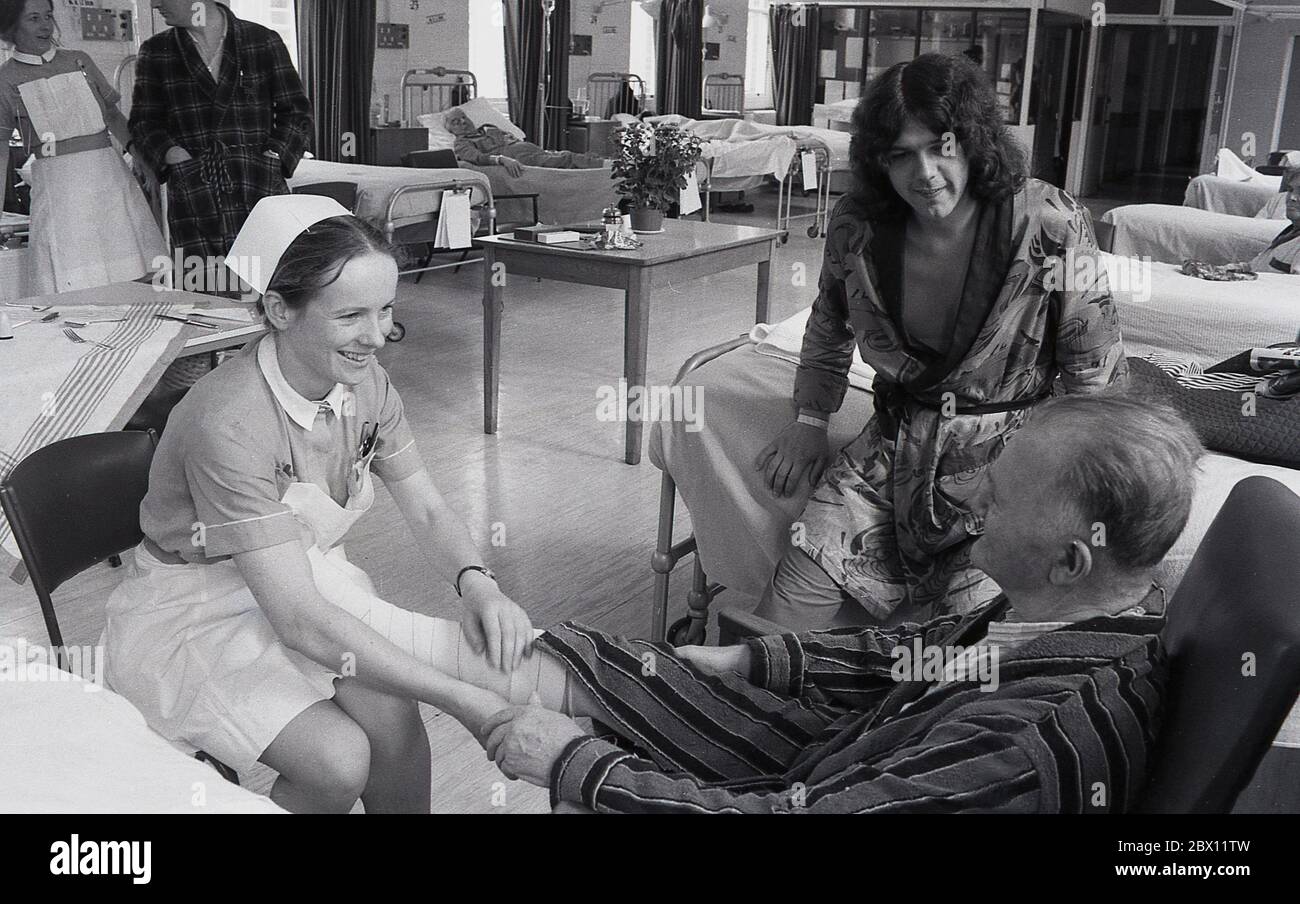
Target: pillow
(481, 112)
(439, 138)
(784, 340)
(1274, 209)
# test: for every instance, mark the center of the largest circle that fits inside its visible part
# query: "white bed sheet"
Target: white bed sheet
(66, 749)
(742, 530)
(1232, 196)
(747, 150)
(1167, 232)
(375, 184)
(1203, 321)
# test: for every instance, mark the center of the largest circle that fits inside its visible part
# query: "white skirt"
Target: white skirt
(90, 225)
(192, 649)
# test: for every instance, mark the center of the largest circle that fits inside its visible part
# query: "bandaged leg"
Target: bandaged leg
(439, 642)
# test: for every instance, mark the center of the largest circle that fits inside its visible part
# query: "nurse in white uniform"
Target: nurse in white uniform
(90, 223)
(240, 628)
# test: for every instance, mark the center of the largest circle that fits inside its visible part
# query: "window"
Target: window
(641, 58)
(758, 56)
(487, 48)
(277, 15)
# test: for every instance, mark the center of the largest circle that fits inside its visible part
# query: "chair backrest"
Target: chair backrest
(74, 503)
(1105, 235)
(1233, 637)
(343, 192)
(443, 159)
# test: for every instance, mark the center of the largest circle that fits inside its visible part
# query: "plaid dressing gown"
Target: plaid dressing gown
(891, 520)
(257, 105)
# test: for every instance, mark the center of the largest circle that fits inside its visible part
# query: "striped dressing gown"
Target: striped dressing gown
(1069, 728)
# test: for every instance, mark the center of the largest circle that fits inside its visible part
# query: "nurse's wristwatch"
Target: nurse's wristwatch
(479, 568)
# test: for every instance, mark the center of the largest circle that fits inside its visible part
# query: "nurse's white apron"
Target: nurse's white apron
(189, 645)
(90, 223)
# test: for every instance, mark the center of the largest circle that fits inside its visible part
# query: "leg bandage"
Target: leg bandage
(441, 643)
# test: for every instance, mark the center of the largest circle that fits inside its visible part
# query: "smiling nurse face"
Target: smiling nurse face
(931, 181)
(334, 337)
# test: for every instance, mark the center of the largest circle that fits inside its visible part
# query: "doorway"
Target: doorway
(1150, 110)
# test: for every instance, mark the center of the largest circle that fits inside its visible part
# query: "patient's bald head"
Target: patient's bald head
(1091, 493)
(458, 123)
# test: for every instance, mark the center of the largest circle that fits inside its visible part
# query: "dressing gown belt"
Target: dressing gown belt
(889, 398)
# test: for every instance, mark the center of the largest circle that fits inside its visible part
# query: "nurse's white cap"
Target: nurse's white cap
(270, 229)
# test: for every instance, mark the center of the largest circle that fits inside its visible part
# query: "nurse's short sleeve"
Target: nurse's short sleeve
(396, 456)
(236, 496)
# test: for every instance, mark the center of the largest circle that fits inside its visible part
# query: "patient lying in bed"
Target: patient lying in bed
(1283, 253)
(487, 145)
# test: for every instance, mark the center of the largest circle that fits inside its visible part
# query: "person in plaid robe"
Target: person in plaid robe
(220, 114)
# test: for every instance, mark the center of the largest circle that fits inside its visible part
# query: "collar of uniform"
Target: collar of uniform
(300, 410)
(32, 59)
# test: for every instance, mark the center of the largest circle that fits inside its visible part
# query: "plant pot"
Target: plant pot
(647, 219)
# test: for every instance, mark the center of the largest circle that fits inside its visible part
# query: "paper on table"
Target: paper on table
(809, 161)
(454, 221)
(690, 196)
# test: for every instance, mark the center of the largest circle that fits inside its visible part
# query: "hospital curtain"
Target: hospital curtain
(533, 68)
(336, 59)
(514, 71)
(679, 62)
(794, 62)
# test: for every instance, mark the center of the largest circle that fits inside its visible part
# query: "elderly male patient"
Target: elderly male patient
(486, 145)
(1283, 253)
(1053, 708)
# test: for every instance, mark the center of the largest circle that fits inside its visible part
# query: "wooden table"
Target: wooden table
(685, 250)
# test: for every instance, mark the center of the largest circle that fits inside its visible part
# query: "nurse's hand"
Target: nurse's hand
(799, 449)
(496, 623)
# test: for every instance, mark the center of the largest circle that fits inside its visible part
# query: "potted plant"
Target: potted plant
(651, 168)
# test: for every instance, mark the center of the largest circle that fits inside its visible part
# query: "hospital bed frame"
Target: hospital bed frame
(606, 85)
(723, 96)
(419, 84)
(786, 190)
(691, 629)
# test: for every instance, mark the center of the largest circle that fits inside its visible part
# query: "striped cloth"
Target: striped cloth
(1068, 729)
(51, 388)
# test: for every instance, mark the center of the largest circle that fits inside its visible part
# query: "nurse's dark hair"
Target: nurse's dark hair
(317, 257)
(10, 12)
(945, 94)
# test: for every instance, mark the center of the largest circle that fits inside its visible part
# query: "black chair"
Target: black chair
(343, 192)
(1105, 235)
(73, 504)
(1233, 636)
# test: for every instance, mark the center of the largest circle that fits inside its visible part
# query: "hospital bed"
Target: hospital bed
(1238, 197)
(603, 87)
(71, 746)
(1170, 233)
(742, 154)
(723, 96)
(563, 196)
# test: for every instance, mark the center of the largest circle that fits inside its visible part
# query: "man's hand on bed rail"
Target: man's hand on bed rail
(799, 450)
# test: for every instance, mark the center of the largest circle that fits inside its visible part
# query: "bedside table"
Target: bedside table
(389, 143)
(592, 137)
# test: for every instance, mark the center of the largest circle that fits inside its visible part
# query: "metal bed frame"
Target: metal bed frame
(606, 85)
(786, 190)
(418, 85)
(723, 96)
(691, 629)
